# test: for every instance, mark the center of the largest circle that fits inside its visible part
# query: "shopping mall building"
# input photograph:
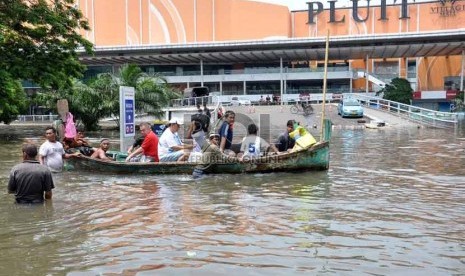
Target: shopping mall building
(242, 47)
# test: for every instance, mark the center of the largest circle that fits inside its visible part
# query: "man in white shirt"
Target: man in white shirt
(51, 152)
(170, 147)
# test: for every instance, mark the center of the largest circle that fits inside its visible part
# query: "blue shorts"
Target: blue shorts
(172, 156)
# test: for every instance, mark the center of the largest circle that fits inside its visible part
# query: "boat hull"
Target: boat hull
(314, 158)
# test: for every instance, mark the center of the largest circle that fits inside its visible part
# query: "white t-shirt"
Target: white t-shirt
(167, 140)
(252, 146)
(53, 153)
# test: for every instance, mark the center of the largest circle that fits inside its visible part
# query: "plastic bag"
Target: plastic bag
(303, 138)
(70, 128)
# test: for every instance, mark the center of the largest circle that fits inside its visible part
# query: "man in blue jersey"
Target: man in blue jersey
(226, 133)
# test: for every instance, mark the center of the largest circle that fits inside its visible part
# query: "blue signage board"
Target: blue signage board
(127, 117)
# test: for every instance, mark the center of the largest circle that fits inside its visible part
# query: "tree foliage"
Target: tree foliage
(459, 103)
(399, 90)
(99, 97)
(12, 98)
(39, 40)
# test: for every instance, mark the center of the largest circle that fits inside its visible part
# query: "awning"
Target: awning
(443, 43)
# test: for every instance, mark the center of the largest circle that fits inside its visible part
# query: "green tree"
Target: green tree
(13, 99)
(39, 40)
(459, 102)
(152, 92)
(399, 90)
(99, 98)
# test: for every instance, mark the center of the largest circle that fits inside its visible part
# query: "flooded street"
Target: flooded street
(392, 202)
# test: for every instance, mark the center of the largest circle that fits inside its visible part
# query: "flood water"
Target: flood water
(392, 202)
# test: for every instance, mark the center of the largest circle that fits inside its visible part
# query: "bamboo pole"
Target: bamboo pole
(324, 88)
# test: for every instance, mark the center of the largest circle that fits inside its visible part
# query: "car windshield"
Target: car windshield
(351, 103)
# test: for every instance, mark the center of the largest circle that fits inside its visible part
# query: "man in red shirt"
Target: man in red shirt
(149, 148)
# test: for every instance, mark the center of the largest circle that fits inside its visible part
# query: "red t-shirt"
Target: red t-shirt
(150, 145)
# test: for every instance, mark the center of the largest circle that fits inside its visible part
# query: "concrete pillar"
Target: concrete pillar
(281, 87)
(351, 77)
(462, 69)
(366, 75)
(201, 72)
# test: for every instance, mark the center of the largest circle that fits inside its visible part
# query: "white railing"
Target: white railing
(420, 115)
(37, 118)
(193, 102)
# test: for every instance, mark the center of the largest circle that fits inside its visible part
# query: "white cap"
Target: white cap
(175, 121)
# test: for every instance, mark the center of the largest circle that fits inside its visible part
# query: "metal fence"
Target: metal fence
(193, 102)
(420, 115)
(37, 118)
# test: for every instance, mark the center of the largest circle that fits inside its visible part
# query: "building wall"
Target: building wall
(139, 22)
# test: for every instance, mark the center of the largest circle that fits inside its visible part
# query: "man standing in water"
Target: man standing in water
(30, 181)
(51, 152)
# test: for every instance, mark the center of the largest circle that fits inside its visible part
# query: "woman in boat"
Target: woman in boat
(196, 133)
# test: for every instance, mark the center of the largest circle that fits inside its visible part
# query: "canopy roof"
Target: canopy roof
(443, 43)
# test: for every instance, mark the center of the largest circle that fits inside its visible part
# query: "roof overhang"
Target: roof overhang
(443, 43)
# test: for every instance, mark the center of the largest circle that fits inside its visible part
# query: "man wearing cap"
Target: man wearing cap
(211, 154)
(284, 141)
(30, 181)
(170, 147)
(149, 147)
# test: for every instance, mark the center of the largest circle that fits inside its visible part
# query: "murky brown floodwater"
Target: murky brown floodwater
(393, 202)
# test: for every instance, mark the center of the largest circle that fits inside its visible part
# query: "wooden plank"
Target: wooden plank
(62, 107)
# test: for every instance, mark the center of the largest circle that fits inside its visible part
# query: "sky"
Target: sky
(301, 4)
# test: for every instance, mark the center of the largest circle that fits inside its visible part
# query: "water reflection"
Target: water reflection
(391, 203)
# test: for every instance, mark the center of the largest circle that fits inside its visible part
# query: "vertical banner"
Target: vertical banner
(126, 117)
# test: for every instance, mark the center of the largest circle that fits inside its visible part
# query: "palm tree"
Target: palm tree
(152, 92)
(99, 98)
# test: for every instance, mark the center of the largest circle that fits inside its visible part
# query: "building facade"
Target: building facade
(119, 26)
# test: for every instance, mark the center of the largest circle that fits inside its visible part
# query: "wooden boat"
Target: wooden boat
(315, 157)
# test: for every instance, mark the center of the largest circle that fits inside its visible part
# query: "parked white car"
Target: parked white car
(236, 101)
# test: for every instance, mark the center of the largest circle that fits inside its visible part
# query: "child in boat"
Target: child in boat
(253, 145)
